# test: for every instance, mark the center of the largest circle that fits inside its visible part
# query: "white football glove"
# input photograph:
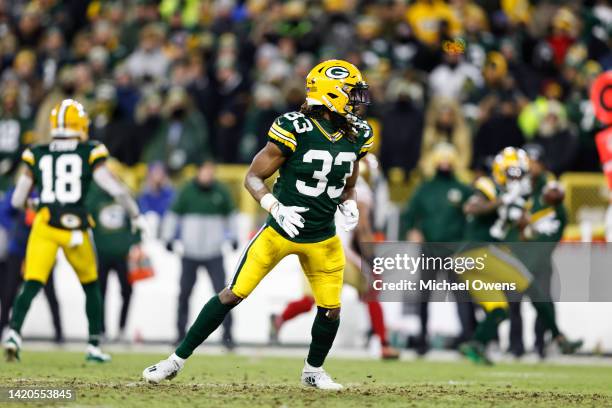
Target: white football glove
(139, 223)
(351, 214)
(288, 218)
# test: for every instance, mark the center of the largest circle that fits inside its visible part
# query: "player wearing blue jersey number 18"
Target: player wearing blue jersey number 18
(317, 152)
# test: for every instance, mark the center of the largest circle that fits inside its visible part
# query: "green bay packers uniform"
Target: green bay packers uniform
(62, 172)
(320, 145)
(500, 265)
(319, 159)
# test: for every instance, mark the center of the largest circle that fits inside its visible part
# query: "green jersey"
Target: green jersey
(63, 172)
(319, 160)
(547, 221)
(478, 227)
(112, 232)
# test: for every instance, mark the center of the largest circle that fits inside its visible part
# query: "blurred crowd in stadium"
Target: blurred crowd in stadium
(174, 81)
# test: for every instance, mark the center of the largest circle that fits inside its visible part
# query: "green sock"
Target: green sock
(323, 334)
(93, 308)
(22, 303)
(211, 316)
(546, 311)
(487, 329)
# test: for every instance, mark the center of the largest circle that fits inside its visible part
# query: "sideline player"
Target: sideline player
(316, 152)
(62, 172)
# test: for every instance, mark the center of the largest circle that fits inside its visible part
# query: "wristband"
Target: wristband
(268, 201)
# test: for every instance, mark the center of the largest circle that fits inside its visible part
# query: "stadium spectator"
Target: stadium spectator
(203, 211)
(434, 214)
(62, 89)
(444, 123)
(158, 193)
(454, 78)
(556, 138)
(181, 138)
(402, 127)
(580, 113)
(148, 62)
(498, 128)
(231, 101)
(114, 127)
(52, 56)
(264, 111)
(432, 21)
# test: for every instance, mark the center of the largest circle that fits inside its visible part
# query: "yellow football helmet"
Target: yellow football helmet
(69, 119)
(510, 164)
(337, 85)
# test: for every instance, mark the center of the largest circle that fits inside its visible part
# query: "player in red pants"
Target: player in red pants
(353, 275)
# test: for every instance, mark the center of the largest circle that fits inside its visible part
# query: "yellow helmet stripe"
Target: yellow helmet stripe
(61, 115)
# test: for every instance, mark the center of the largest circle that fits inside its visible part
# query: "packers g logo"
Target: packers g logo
(337, 72)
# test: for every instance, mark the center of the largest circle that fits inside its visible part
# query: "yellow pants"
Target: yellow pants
(352, 277)
(501, 266)
(322, 263)
(43, 244)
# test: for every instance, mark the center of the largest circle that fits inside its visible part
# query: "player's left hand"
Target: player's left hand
(351, 214)
(140, 224)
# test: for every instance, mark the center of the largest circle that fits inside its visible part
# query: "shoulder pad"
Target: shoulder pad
(98, 151)
(285, 127)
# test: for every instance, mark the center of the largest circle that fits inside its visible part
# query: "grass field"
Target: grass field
(238, 381)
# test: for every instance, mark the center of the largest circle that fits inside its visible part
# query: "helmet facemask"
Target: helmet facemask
(358, 98)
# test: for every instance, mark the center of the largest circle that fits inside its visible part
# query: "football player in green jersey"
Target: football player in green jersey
(62, 172)
(317, 153)
(496, 213)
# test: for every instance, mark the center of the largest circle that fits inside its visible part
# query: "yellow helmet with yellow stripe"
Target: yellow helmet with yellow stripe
(510, 163)
(69, 119)
(337, 85)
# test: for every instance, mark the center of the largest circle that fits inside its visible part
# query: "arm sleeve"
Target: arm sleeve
(281, 134)
(107, 182)
(22, 191)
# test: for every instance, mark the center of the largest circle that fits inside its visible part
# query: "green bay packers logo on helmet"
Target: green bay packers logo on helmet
(337, 72)
(338, 85)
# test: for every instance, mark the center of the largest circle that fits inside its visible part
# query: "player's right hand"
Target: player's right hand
(288, 218)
